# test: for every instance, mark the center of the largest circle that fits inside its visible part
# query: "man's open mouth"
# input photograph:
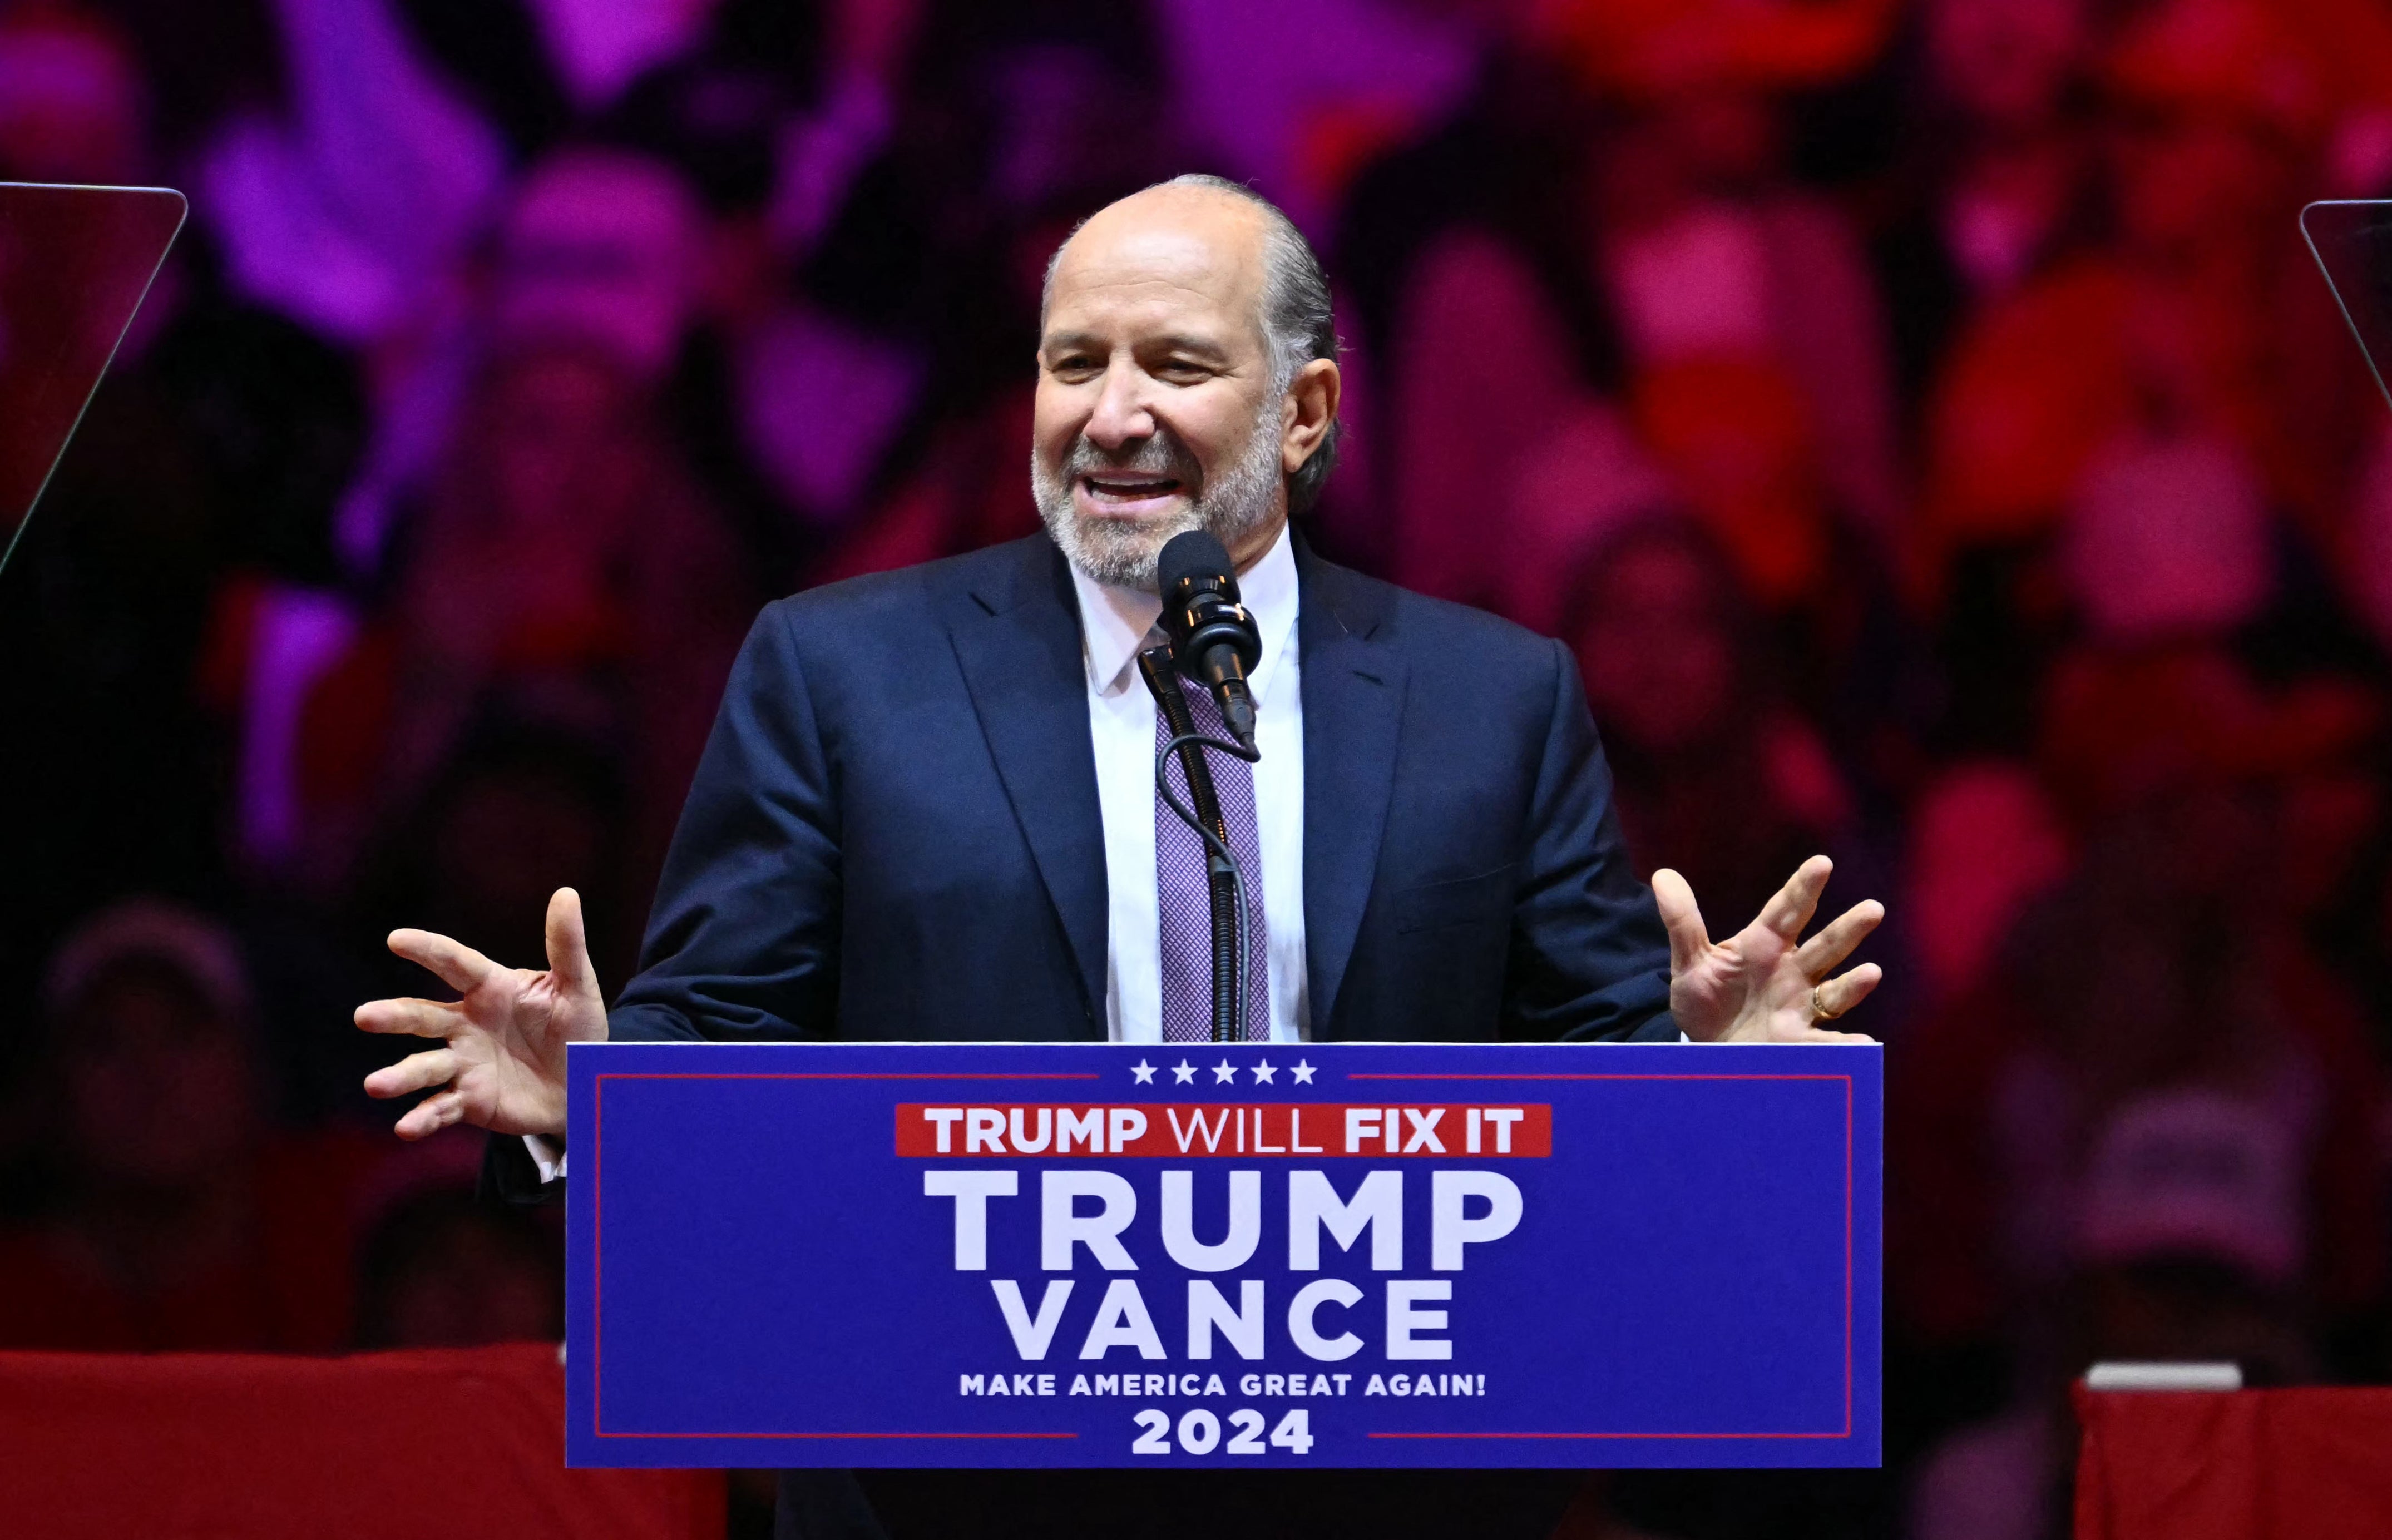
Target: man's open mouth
(1128, 493)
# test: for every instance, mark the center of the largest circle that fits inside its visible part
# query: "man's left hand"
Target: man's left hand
(1765, 984)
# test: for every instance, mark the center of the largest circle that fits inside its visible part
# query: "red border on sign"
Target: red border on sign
(1847, 1429)
(598, 1236)
(597, 1251)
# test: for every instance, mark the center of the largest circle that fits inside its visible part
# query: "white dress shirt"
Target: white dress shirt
(1115, 627)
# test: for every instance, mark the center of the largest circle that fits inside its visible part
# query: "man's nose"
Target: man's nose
(1120, 416)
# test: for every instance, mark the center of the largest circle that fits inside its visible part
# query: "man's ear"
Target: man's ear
(1312, 407)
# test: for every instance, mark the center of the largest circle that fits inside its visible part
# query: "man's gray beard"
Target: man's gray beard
(1122, 554)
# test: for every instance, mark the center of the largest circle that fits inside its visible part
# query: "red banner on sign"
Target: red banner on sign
(1247, 1129)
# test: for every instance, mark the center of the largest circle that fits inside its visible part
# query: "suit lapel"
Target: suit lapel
(1353, 718)
(1016, 629)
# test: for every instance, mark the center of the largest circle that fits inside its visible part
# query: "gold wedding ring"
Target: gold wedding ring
(1819, 1011)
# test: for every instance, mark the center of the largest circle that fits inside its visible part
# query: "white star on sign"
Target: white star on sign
(1302, 1073)
(1263, 1073)
(1224, 1070)
(1142, 1072)
(1183, 1071)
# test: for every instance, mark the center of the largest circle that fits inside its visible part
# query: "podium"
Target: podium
(1263, 1256)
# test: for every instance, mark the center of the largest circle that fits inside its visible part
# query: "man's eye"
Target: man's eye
(1182, 369)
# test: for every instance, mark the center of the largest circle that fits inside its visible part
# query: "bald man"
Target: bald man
(928, 811)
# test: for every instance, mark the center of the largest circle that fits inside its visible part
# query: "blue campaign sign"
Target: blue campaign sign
(1334, 1254)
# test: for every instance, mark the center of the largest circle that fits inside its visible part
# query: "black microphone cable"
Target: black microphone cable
(1228, 1016)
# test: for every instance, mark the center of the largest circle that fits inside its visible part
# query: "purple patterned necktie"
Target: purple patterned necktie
(1183, 889)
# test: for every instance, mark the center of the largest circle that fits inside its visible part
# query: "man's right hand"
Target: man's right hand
(502, 1067)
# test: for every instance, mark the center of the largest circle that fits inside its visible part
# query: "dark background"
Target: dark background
(1922, 419)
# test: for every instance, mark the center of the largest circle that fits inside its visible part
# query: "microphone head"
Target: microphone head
(1209, 630)
(1195, 556)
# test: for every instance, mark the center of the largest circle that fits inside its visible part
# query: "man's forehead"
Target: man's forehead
(1153, 250)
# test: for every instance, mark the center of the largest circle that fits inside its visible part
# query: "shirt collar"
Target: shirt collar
(1115, 624)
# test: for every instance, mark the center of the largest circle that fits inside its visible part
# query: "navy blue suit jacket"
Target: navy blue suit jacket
(894, 832)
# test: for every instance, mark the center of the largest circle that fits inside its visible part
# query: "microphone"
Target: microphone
(1213, 639)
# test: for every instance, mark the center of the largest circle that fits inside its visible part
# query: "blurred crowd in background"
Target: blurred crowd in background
(1923, 419)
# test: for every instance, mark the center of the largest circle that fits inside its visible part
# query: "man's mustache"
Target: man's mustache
(1160, 456)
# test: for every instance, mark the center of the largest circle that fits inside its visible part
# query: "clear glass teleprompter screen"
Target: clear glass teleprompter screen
(74, 263)
(2353, 242)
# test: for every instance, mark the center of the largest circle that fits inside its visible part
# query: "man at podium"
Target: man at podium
(927, 810)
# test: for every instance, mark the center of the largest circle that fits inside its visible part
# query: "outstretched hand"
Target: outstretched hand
(1765, 984)
(502, 1063)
